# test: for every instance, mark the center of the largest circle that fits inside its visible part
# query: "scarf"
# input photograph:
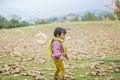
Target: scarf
(50, 45)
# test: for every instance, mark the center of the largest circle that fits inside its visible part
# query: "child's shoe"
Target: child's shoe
(56, 79)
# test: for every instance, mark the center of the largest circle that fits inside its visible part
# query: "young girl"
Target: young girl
(57, 51)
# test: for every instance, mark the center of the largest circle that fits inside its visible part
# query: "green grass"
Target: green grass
(84, 38)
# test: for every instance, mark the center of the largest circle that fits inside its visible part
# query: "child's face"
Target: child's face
(62, 36)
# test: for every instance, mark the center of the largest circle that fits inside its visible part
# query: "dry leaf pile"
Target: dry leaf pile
(87, 47)
(13, 68)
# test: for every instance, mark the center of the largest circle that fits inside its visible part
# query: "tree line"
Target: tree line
(13, 23)
(88, 16)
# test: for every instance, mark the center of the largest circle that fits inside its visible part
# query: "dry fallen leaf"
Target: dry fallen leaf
(82, 76)
(5, 68)
(51, 74)
(96, 78)
(17, 70)
(17, 75)
(93, 73)
(6, 73)
(117, 70)
(72, 78)
(29, 59)
(2, 62)
(41, 78)
(110, 78)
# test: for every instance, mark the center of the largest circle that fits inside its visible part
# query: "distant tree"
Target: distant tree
(99, 18)
(42, 21)
(45, 21)
(14, 21)
(118, 6)
(64, 18)
(89, 17)
(3, 22)
(24, 23)
(53, 19)
(16, 17)
(75, 19)
(111, 16)
(118, 14)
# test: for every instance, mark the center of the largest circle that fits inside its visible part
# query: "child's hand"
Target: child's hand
(62, 58)
(66, 56)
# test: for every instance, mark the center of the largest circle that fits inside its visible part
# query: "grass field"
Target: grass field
(93, 48)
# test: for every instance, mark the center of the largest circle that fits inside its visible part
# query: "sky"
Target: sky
(48, 8)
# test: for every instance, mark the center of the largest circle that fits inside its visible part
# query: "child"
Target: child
(57, 51)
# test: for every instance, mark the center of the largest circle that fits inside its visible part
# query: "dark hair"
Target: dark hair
(58, 31)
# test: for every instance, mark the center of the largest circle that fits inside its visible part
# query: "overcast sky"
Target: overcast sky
(48, 8)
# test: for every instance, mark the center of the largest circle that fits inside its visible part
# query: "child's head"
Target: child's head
(59, 33)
